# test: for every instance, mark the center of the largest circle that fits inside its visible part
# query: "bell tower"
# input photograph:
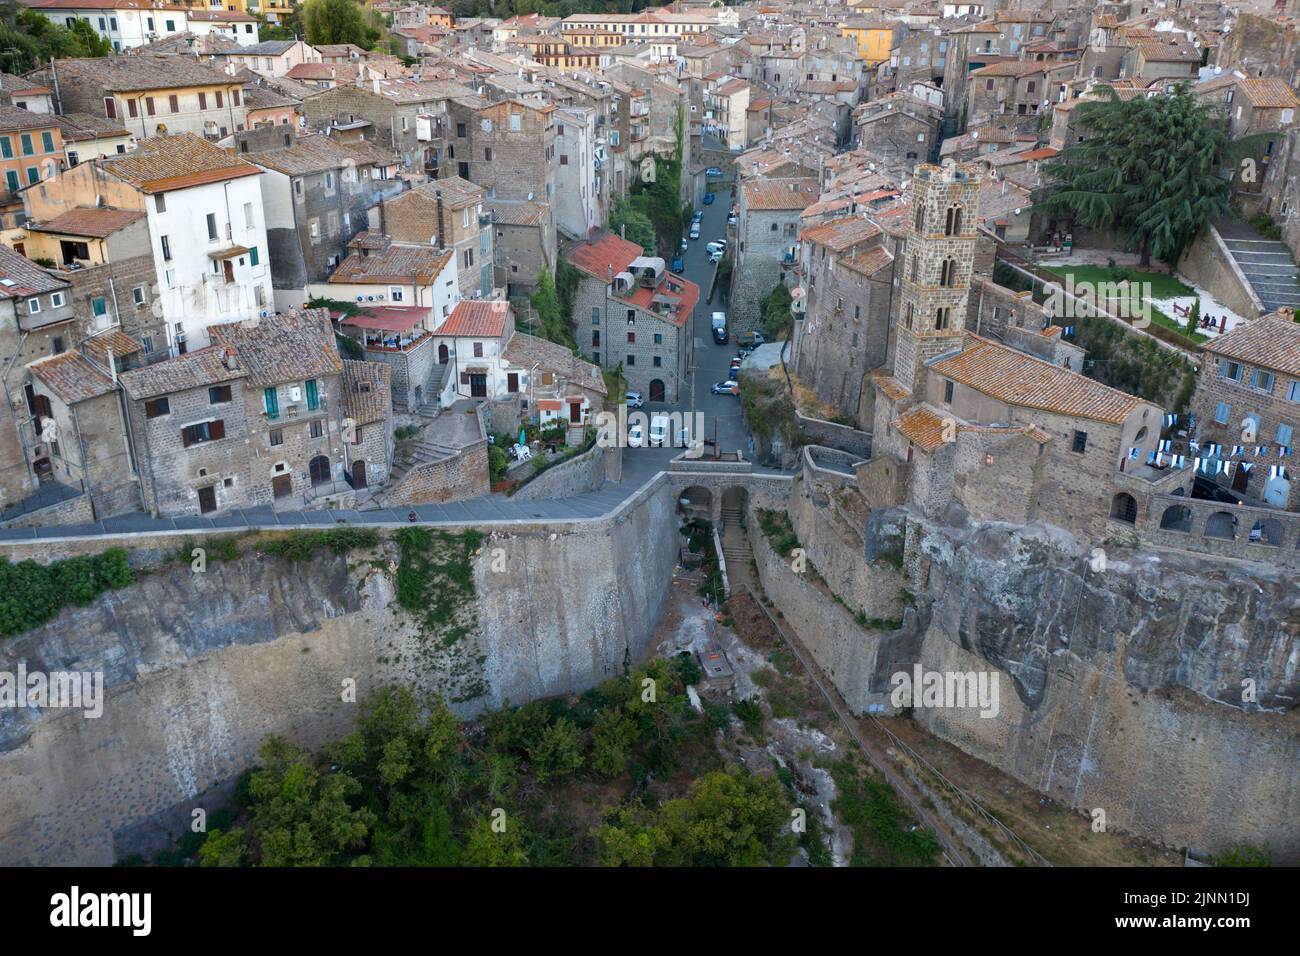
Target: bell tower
(938, 258)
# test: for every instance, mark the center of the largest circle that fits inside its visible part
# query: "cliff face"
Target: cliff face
(199, 669)
(1121, 683)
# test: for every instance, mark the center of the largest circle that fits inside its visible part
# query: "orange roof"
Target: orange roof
(609, 251)
(1268, 92)
(891, 387)
(922, 427)
(841, 233)
(1047, 152)
(1018, 379)
(476, 318)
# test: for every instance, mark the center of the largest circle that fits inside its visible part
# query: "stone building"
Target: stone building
(316, 193)
(630, 310)
(1248, 394)
(453, 211)
(767, 232)
(902, 129)
(368, 422)
(844, 332)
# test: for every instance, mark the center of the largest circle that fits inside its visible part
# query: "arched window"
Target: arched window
(915, 266)
(920, 217)
(941, 317)
(952, 222)
(911, 311)
(948, 273)
(1123, 507)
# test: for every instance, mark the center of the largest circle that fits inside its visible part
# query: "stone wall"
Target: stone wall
(1209, 265)
(201, 668)
(855, 441)
(76, 510)
(1104, 701)
(580, 474)
(460, 476)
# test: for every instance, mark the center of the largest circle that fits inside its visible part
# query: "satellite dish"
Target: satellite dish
(530, 197)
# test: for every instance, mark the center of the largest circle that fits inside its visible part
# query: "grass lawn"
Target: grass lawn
(1162, 286)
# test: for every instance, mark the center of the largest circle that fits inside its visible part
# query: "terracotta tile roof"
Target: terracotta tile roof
(1164, 51)
(476, 318)
(526, 351)
(366, 390)
(1268, 93)
(265, 98)
(1019, 379)
(395, 265)
(608, 251)
(78, 127)
(780, 193)
(922, 427)
(198, 369)
(522, 213)
(1016, 68)
(14, 118)
(164, 163)
(131, 73)
(20, 84)
(70, 377)
(891, 386)
(839, 234)
(869, 261)
(339, 72)
(19, 276)
(116, 341)
(311, 154)
(1269, 341)
(288, 347)
(94, 223)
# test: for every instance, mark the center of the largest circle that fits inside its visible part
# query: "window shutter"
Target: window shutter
(185, 436)
(217, 429)
(272, 403)
(313, 400)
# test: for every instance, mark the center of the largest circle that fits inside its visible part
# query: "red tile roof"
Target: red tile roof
(609, 251)
(476, 318)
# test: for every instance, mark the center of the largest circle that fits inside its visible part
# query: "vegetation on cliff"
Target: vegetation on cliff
(31, 593)
(627, 774)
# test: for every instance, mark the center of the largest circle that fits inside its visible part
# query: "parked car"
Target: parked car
(717, 245)
(695, 230)
(678, 265)
(634, 435)
(713, 171)
(708, 199)
(635, 400)
(715, 256)
(685, 245)
(732, 219)
(658, 431)
(729, 387)
(751, 340)
(697, 215)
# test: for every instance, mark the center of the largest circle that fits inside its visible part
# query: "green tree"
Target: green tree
(559, 752)
(728, 819)
(613, 737)
(553, 322)
(224, 848)
(487, 847)
(627, 219)
(1244, 855)
(302, 817)
(338, 21)
(1147, 167)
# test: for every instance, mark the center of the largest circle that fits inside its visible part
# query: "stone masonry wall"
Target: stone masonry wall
(461, 476)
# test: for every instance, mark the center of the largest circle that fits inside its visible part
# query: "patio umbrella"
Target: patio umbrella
(521, 437)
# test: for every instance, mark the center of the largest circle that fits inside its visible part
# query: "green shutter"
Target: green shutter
(272, 403)
(28, 149)
(313, 400)
(252, 256)
(11, 178)
(6, 147)
(47, 140)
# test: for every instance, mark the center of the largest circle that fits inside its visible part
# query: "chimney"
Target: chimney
(442, 226)
(231, 359)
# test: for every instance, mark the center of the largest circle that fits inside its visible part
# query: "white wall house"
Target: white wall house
(401, 274)
(125, 26)
(210, 252)
(578, 205)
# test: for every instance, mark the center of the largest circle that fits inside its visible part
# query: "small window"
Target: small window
(316, 429)
(218, 394)
(33, 306)
(1284, 434)
(277, 436)
(631, 360)
(56, 300)
(138, 295)
(1221, 412)
(1262, 380)
(478, 349)
(1080, 441)
(947, 393)
(1293, 392)
(1230, 371)
(212, 227)
(157, 407)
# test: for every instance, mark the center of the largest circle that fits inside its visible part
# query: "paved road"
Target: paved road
(722, 414)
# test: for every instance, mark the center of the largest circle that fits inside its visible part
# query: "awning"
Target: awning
(397, 318)
(228, 253)
(548, 405)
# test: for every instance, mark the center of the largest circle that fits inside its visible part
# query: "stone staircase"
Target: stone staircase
(736, 550)
(418, 451)
(1266, 264)
(428, 406)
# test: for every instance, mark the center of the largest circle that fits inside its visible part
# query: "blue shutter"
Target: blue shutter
(313, 400)
(272, 402)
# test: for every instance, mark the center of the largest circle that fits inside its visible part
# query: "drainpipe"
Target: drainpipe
(85, 471)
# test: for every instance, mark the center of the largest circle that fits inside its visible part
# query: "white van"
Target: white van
(658, 431)
(718, 246)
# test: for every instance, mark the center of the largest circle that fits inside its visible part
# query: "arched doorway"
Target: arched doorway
(1123, 507)
(1222, 524)
(696, 502)
(1176, 518)
(734, 501)
(319, 469)
(443, 354)
(656, 390)
(358, 474)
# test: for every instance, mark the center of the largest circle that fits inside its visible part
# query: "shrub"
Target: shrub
(31, 593)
